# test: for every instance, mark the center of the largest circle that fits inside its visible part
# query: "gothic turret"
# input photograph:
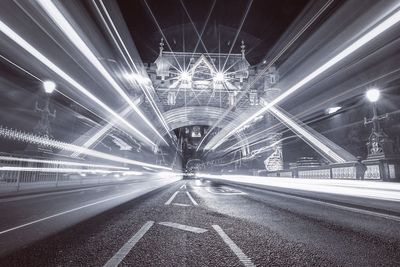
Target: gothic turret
(242, 67)
(162, 63)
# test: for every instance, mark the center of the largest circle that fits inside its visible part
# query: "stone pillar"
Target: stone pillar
(274, 161)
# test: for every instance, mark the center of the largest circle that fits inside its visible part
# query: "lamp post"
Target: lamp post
(378, 140)
(380, 147)
(43, 127)
(373, 96)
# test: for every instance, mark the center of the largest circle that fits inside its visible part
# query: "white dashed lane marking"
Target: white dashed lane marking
(235, 249)
(184, 227)
(124, 250)
(192, 199)
(180, 204)
(171, 198)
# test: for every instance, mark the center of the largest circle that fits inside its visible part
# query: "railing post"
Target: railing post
(18, 179)
(57, 174)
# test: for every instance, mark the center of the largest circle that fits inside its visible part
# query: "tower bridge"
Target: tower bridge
(199, 133)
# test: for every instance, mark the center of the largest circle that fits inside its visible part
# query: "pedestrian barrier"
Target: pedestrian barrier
(16, 175)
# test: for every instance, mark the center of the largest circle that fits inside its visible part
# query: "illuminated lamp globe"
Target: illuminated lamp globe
(185, 76)
(49, 87)
(219, 77)
(373, 95)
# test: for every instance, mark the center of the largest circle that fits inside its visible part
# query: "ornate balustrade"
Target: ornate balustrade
(380, 169)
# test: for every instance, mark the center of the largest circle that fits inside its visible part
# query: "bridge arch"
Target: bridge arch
(201, 115)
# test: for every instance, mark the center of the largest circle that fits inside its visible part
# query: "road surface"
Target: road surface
(194, 223)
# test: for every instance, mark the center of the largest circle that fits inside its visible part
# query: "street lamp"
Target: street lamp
(185, 76)
(373, 95)
(219, 77)
(49, 86)
(379, 143)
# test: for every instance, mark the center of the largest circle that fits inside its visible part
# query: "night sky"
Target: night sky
(265, 23)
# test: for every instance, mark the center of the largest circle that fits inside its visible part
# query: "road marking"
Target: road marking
(356, 210)
(192, 199)
(184, 227)
(238, 252)
(65, 212)
(183, 186)
(228, 191)
(171, 198)
(180, 204)
(124, 250)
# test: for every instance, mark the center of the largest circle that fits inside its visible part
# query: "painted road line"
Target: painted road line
(235, 249)
(171, 198)
(124, 250)
(225, 191)
(184, 227)
(183, 186)
(346, 208)
(180, 204)
(65, 212)
(191, 198)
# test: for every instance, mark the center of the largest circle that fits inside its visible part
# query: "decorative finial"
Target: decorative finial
(243, 48)
(161, 45)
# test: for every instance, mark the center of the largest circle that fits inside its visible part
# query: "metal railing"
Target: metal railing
(16, 175)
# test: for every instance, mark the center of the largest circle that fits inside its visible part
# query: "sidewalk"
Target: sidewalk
(39, 188)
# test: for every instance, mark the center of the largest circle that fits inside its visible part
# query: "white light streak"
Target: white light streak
(34, 52)
(136, 77)
(146, 81)
(372, 34)
(59, 162)
(74, 37)
(307, 136)
(352, 188)
(55, 170)
(333, 110)
(44, 141)
(132, 173)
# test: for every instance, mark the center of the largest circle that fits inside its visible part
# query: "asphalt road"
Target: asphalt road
(193, 223)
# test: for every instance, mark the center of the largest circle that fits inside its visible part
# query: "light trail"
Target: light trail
(40, 140)
(163, 35)
(54, 13)
(372, 34)
(204, 27)
(254, 139)
(69, 170)
(197, 32)
(270, 64)
(59, 162)
(352, 188)
(55, 170)
(132, 63)
(237, 33)
(34, 52)
(58, 91)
